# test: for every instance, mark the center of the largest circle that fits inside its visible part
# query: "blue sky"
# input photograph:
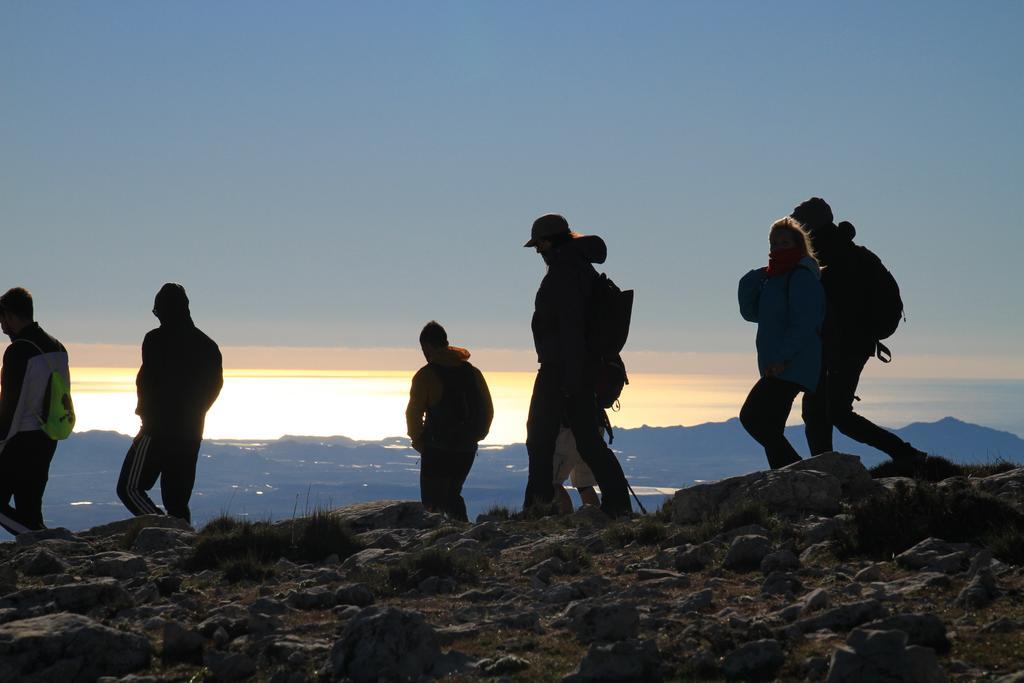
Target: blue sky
(335, 174)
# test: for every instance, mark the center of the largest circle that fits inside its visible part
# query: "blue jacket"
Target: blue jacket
(788, 327)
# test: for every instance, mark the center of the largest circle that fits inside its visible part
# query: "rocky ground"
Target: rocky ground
(758, 577)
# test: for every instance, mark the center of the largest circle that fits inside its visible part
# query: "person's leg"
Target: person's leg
(842, 385)
(14, 466)
(582, 413)
(589, 496)
(764, 415)
(562, 499)
(139, 472)
(817, 423)
(432, 481)
(28, 498)
(179, 476)
(542, 425)
(461, 464)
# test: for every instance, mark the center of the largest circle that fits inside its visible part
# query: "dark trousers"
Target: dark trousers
(547, 408)
(832, 405)
(442, 474)
(173, 461)
(25, 463)
(764, 416)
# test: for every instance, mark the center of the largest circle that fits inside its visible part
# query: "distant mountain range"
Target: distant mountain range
(294, 474)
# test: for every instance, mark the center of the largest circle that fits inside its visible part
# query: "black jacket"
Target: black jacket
(560, 309)
(846, 330)
(180, 378)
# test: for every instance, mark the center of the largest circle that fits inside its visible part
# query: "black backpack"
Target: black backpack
(609, 313)
(884, 309)
(456, 421)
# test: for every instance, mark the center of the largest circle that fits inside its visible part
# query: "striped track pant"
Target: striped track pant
(170, 459)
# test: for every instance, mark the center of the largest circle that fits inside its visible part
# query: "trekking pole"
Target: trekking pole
(636, 498)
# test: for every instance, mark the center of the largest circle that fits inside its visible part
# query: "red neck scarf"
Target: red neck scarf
(781, 261)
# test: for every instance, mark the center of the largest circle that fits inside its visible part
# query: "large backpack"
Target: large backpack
(884, 309)
(58, 418)
(456, 421)
(608, 317)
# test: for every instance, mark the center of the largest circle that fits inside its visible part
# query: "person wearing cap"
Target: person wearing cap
(449, 413)
(847, 341)
(563, 386)
(180, 378)
(25, 450)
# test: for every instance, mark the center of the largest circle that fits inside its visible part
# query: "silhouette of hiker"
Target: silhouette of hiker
(787, 302)
(848, 340)
(26, 450)
(563, 385)
(449, 413)
(180, 378)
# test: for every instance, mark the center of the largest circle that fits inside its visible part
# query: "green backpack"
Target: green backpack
(58, 418)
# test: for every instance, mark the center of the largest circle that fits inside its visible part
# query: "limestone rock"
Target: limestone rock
(842, 618)
(388, 514)
(509, 664)
(883, 656)
(979, 592)
(385, 644)
(32, 537)
(758, 660)
(694, 557)
(229, 666)
(934, 554)
(39, 562)
(68, 647)
(72, 597)
(132, 524)
(921, 629)
(780, 560)
(155, 539)
(746, 552)
(625, 661)
(118, 565)
(599, 621)
(181, 643)
(696, 601)
(854, 478)
(784, 490)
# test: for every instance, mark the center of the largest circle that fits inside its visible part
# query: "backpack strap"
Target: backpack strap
(882, 352)
(37, 348)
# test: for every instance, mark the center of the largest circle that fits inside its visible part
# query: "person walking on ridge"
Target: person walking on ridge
(449, 413)
(180, 378)
(849, 341)
(787, 302)
(26, 450)
(563, 386)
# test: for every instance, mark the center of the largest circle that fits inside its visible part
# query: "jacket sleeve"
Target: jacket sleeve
(572, 335)
(419, 399)
(145, 381)
(486, 406)
(750, 288)
(12, 377)
(806, 313)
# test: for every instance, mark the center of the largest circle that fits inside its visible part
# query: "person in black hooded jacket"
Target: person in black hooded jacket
(564, 387)
(180, 378)
(847, 342)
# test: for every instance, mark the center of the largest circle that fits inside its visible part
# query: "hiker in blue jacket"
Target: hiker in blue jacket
(787, 302)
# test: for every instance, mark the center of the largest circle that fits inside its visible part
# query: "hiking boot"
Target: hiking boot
(909, 461)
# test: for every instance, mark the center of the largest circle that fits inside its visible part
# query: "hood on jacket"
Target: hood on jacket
(811, 265)
(451, 356)
(589, 248)
(171, 304)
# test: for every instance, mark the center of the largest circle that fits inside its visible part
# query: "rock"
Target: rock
(1012, 678)
(922, 582)
(694, 557)
(503, 666)
(1001, 625)
(936, 555)
(72, 597)
(155, 539)
(870, 574)
(32, 537)
(921, 629)
(841, 618)
(69, 648)
(118, 565)
(825, 530)
(8, 579)
(357, 594)
(386, 643)
(229, 666)
(696, 601)
(781, 583)
(626, 661)
(318, 597)
(388, 514)
(883, 656)
(181, 643)
(590, 587)
(133, 524)
(854, 479)
(782, 490)
(598, 621)
(366, 558)
(39, 562)
(814, 601)
(979, 592)
(663, 576)
(746, 552)
(757, 660)
(779, 561)
(817, 553)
